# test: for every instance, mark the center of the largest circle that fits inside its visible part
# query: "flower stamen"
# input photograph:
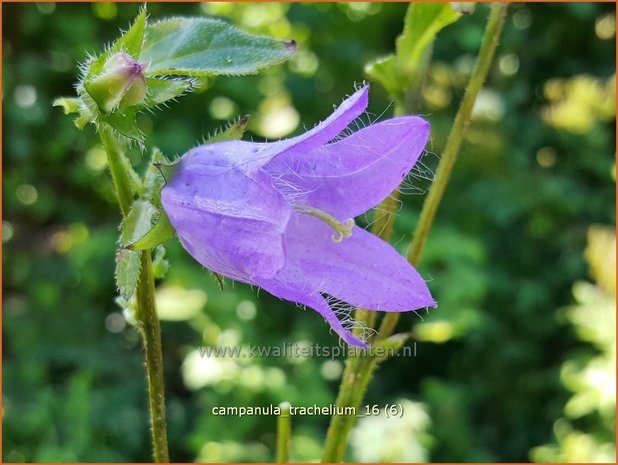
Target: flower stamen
(343, 230)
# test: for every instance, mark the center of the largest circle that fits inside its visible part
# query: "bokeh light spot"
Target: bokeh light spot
(105, 10)
(26, 194)
(246, 310)
(25, 95)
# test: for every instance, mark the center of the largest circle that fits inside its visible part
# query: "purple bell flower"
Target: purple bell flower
(279, 215)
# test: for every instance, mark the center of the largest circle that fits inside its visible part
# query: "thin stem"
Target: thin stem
(338, 430)
(148, 322)
(284, 430)
(451, 150)
(151, 337)
(359, 370)
(120, 176)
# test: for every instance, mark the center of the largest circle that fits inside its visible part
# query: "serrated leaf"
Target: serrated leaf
(208, 47)
(158, 234)
(235, 131)
(137, 223)
(423, 21)
(128, 265)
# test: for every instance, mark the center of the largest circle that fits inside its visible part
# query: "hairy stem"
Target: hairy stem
(359, 370)
(151, 337)
(116, 160)
(148, 322)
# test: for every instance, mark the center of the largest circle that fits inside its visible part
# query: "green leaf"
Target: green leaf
(162, 90)
(128, 265)
(422, 24)
(137, 223)
(384, 70)
(208, 47)
(233, 132)
(397, 73)
(160, 232)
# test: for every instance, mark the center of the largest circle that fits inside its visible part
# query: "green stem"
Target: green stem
(284, 430)
(339, 428)
(148, 321)
(451, 149)
(151, 337)
(120, 176)
(359, 370)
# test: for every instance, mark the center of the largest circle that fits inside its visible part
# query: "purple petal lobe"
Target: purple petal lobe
(230, 223)
(348, 177)
(362, 270)
(321, 134)
(304, 296)
(250, 156)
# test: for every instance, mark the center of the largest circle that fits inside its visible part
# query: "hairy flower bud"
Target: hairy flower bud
(120, 85)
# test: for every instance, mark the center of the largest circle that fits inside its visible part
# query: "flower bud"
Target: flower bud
(120, 85)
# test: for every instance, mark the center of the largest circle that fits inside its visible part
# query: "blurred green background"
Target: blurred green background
(516, 364)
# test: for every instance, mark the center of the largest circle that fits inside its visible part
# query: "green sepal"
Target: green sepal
(158, 234)
(72, 105)
(153, 178)
(125, 123)
(162, 90)
(68, 104)
(132, 40)
(167, 170)
(138, 222)
(234, 131)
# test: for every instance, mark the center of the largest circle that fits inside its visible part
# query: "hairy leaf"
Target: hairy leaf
(208, 47)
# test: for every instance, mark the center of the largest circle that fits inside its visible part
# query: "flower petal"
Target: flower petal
(350, 109)
(296, 293)
(361, 270)
(348, 177)
(251, 156)
(228, 222)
